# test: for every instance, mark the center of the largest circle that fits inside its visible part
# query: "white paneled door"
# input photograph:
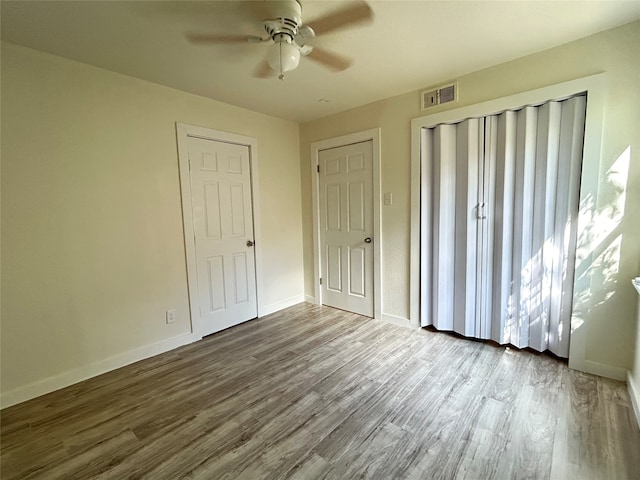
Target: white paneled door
(346, 227)
(223, 230)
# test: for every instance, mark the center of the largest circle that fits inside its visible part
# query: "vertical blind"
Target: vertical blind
(499, 204)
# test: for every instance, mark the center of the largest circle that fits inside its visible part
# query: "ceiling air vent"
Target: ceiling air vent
(439, 95)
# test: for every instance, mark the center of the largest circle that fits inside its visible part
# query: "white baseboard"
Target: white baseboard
(634, 393)
(603, 370)
(276, 307)
(47, 385)
(310, 299)
(403, 322)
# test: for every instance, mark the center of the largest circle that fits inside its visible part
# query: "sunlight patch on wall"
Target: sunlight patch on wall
(598, 248)
(612, 198)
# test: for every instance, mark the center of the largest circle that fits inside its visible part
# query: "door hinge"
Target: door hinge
(318, 168)
(321, 281)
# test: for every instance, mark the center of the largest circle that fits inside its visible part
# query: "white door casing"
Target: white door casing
(346, 227)
(217, 176)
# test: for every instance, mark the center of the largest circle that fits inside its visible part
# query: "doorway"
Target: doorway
(500, 224)
(594, 87)
(346, 173)
(217, 204)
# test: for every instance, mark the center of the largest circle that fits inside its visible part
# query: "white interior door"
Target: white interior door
(346, 227)
(223, 229)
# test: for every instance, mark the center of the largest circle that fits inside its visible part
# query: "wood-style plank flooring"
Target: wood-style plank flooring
(313, 392)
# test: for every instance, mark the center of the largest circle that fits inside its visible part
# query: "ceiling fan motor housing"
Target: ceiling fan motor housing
(286, 18)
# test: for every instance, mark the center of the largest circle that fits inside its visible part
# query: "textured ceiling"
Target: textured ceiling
(410, 44)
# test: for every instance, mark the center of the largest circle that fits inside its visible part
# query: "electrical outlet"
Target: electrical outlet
(171, 316)
(388, 198)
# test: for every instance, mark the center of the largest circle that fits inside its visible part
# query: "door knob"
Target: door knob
(367, 240)
(250, 243)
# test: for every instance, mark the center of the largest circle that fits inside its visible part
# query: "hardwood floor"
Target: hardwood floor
(313, 392)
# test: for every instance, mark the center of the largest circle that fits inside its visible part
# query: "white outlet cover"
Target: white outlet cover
(171, 316)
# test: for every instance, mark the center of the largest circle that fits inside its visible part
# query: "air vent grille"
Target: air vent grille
(438, 95)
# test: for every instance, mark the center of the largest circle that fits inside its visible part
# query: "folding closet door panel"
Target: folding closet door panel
(522, 224)
(543, 222)
(453, 169)
(469, 135)
(502, 308)
(566, 222)
(426, 225)
(485, 262)
(443, 170)
(538, 157)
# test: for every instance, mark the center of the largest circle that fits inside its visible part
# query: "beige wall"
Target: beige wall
(92, 241)
(610, 302)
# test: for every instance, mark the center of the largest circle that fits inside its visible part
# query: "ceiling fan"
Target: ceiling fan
(288, 36)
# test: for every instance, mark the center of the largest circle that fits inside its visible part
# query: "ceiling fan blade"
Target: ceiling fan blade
(356, 13)
(331, 60)
(217, 38)
(263, 70)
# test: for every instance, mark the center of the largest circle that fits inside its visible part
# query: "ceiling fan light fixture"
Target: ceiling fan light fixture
(283, 56)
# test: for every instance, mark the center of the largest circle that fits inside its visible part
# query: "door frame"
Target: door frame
(183, 132)
(357, 137)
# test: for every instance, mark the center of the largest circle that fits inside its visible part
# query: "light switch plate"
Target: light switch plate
(388, 198)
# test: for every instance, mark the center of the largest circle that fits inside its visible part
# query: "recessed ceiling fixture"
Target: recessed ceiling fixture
(323, 100)
(289, 36)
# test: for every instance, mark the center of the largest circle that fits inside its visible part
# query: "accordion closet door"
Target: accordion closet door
(499, 203)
